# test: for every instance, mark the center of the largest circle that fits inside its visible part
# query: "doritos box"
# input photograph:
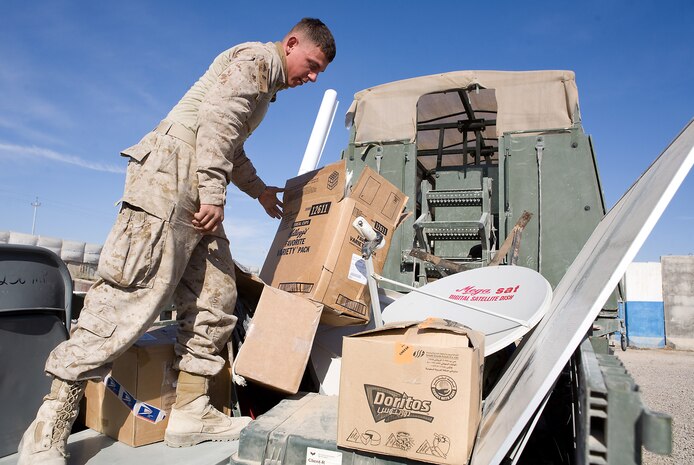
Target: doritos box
(412, 390)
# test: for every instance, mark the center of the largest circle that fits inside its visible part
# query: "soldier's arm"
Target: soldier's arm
(245, 176)
(222, 128)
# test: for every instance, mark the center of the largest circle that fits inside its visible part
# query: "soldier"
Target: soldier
(168, 242)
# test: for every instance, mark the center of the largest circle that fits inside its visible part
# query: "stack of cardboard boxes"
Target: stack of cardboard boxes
(316, 259)
(410, 390)
(315, 274)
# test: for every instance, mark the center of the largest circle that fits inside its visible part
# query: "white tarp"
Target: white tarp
(525, 100)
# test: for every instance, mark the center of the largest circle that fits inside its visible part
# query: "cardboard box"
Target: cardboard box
(146, 372)
(412, 390)
(316, 252)
(279, 338)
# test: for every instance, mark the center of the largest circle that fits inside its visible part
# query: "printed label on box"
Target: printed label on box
(304, 288)
(141, 410)
(368, 193)
(352, 305)
(322, 457)
(357, 269)
(439, 446)
(147, 337)
(391, 207)
(322, 208)
(368, 437)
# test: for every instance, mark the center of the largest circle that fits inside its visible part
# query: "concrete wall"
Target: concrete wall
(81, 258)
(678, 297)
(644, 309)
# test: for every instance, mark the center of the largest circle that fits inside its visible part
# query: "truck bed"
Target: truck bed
(90, 447)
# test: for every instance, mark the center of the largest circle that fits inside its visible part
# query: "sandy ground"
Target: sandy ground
(666, 380)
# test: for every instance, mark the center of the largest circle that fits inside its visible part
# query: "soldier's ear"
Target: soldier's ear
(291, 43)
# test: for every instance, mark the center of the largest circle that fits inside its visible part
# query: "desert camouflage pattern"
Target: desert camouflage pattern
(153, 256)
(223, 108)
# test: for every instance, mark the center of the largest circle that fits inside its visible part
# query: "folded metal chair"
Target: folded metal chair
(35, 312)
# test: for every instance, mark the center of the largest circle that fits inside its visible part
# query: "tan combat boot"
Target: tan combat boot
(45, 440)
(193, 420)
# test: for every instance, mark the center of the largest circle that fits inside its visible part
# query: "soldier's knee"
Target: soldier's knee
(228, 292)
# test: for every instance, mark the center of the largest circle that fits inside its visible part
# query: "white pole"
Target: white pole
(33, 223)
(321, 129)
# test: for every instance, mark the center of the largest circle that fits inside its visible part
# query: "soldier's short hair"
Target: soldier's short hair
(317, 32)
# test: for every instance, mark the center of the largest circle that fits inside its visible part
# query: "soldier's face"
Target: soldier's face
(305, 61)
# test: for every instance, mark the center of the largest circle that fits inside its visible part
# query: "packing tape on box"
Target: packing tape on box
(141, 410)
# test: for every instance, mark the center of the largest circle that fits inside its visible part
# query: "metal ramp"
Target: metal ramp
(577, 301)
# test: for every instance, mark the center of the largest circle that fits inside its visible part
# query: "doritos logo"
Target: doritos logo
(388, 405)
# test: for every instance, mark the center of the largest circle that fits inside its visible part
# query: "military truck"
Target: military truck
(478, 153)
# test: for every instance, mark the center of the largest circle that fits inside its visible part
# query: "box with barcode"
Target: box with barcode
(316, 252)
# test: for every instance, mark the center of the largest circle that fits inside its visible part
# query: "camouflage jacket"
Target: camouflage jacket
(222, 109)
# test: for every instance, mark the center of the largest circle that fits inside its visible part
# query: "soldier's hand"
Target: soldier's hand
(272, 205)
(208, 218)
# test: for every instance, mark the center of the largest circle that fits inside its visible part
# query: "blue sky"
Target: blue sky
(81, 80)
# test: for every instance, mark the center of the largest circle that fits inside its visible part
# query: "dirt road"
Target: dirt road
(666, 380)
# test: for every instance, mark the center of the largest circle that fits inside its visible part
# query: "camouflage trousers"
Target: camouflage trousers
(152, 257)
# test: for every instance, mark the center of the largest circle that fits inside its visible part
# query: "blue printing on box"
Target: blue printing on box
(141, 410)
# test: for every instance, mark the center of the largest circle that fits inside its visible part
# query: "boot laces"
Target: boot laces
(66, 415)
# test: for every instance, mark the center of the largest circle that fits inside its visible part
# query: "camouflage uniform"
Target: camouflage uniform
(153, 253)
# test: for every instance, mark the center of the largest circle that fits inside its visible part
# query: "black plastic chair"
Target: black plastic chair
(35, 312)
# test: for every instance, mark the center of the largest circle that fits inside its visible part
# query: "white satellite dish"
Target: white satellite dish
(503, 302)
